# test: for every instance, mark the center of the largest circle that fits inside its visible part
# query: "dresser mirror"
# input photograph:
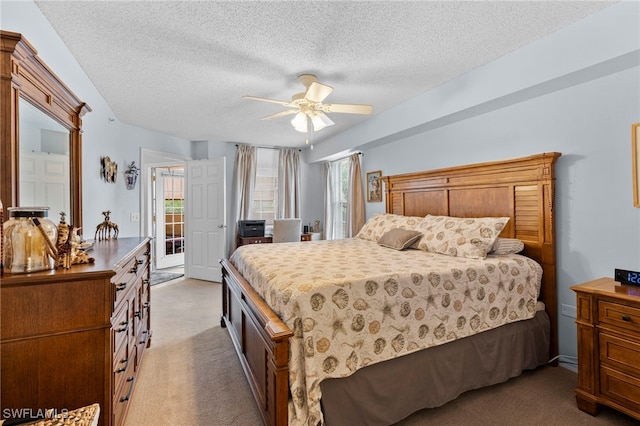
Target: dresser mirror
(45, 176)
(41, 137)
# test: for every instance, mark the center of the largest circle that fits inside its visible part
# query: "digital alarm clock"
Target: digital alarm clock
(627, 277)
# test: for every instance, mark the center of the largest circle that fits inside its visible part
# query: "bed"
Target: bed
(395, 374)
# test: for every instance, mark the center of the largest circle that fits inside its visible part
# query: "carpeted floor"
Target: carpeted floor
(191, 376)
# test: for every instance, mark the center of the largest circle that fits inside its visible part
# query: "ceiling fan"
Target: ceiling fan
(308, 107)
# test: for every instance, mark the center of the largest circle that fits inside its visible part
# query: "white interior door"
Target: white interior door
(206, 221)
(44, 181)
(169, 216)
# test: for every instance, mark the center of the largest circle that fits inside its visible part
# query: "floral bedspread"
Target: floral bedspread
(351, 303)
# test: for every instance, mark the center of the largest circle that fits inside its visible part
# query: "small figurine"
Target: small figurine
(63, 244)
(103, 230)
(68, 243)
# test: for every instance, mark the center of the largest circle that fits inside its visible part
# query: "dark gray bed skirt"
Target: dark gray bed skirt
(387, 392)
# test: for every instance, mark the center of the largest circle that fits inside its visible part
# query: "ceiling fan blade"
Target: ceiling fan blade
(280, 114)
(274, 101)
(317, 92)
(348, 108)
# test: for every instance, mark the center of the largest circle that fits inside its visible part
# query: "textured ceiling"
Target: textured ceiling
(181, 67)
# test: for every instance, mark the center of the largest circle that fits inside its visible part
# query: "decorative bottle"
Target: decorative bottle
(29, 240)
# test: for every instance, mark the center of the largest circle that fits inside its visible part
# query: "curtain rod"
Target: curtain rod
(266, 147)
(346, 156)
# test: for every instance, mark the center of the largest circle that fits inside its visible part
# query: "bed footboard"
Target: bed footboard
(262, 342)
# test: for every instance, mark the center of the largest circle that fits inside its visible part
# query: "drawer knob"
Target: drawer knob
(121, 286)
(626, 318)
(125, 362)
(124, 326)
(128, 395)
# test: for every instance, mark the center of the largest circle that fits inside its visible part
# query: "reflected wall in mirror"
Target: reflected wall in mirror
(44, 162)
(29, 86)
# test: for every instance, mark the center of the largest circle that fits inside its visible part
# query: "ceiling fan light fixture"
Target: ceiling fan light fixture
(320, 121)
(309, 108)
(299, 122)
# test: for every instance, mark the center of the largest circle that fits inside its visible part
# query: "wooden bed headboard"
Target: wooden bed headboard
(521, 188)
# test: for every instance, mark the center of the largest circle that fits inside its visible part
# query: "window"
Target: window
(265, 195)
(340, 189)
(173, 199)
(174, 214)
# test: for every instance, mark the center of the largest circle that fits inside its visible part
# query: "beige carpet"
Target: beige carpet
(191, 376)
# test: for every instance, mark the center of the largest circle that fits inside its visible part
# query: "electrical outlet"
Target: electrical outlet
(135, 217)
(568, 310)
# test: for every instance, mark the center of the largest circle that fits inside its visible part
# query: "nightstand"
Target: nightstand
(608, 325)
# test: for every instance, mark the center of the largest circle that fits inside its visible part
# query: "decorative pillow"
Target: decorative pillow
(460, 237)
(507, 246)
(381, 223)
(399, 239)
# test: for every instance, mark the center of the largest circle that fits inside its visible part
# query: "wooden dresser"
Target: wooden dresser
(72, 338)
(608, 320)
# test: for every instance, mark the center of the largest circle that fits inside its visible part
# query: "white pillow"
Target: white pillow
(461, 237)
(382, 223)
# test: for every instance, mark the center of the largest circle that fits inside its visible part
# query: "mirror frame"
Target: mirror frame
(24, 75)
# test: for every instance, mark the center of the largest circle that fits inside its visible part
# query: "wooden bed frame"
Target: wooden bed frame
(521, 188)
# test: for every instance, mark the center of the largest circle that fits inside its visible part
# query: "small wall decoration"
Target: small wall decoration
(108, 169)
(131, 175)
(374, 186)
(103, 230)
(635, 162)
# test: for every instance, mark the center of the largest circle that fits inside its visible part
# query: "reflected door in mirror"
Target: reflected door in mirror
(44, 161)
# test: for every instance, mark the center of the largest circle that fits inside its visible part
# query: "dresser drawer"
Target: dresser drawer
(619, 353)
(140, 266)
(121, 362)
(121, 327)
(122, 287)
(622, 388)
(123, 391)
(619, 315)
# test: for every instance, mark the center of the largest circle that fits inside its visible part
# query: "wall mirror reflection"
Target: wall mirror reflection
(44, 161)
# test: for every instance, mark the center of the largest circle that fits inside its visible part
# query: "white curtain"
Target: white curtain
(244, 183)
(288, 183)
(329, 202)
(355, 197)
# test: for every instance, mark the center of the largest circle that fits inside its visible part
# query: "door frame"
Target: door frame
(149, 159)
